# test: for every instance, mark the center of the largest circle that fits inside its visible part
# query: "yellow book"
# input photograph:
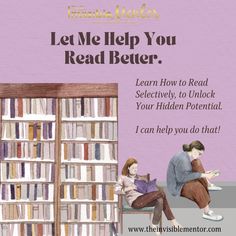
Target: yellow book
(111, 193)
(18, 192)
(31, 131)
(12, 170)
(94, 212)
(65, 191)
(33, 230)
(75, 191)
(65, 151)
(29, 209)
(66, 230)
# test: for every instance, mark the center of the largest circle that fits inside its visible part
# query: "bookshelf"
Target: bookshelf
(59, 159)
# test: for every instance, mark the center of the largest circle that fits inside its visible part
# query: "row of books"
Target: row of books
(89, 212)
(96, 192)
(24, 192)
(89, 107)
(27, 229)
(21, 107)
(70, 130)
(27, 171)
(71, 107)
(87, 229)
(34, 192)
(31, 229)
(26, 212)
(89, 151)
(28, 130)
(88, 172)
(89, 130)
(27, 150)
(69, 151)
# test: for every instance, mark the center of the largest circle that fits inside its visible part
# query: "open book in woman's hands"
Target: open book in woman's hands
(215, 172)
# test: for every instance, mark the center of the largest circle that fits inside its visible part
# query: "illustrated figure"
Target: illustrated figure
(186, 177)
(136, 199)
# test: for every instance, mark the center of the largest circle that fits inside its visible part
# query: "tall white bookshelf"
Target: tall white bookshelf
(59, 159)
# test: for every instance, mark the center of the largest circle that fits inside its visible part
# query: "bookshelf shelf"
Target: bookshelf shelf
(90, 119)
(26, 140)
(26, 221)
(87, 222)
(26, 202)
(50, 134)
(23, 160)
(24, 181)
(88, 141)
(29, 118)
(88, 201)
(87, 182)
(90, 162)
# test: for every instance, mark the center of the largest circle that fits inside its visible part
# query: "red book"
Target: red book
(40, 230)
(85, 151)
(94, 192)
(19, 150)
(20, 107)
(22, 230)
(107, 106)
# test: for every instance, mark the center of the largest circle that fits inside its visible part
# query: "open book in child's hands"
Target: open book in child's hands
(145, 187)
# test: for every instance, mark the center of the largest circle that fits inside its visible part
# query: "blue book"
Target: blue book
(1, 151)
(8, 170)
(38, 174)
(22, 170)
(3, 192)
(97, 151)
(35, 192)
(82, 106)
(50, 129)
(35, 130)
(39, 150)
(103, 192)
(5, 151)
(17, 130)
(28, 191)
(12, 188)
(45, 130)
(12, 108)
(29, 229)
(46, 188)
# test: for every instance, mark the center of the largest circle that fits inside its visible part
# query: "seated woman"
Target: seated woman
(186, 177)
(139, 200)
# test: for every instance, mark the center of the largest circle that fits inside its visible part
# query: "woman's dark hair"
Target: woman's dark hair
(195, 144)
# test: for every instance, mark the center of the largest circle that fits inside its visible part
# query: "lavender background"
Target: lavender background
(205, 32)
